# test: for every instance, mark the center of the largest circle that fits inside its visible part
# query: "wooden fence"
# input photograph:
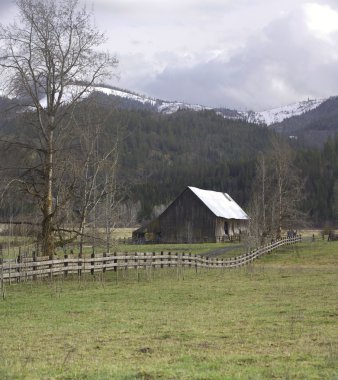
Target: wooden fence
(27, 268)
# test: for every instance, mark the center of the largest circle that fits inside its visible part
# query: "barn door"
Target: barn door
(226, 228)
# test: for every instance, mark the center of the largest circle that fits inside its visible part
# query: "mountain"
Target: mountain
(166, 146)
(268, 117)
(309, 122)
(131, 100)
(277, 115)
(314, 127)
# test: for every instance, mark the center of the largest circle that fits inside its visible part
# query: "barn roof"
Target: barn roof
(221, 204)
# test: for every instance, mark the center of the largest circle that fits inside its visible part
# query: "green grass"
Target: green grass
(12, 245)
(122, 248)
(16, 240)
(275, 319)
(13, 251)
(189, 247)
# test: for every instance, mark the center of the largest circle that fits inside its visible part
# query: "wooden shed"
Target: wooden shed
(196, 215)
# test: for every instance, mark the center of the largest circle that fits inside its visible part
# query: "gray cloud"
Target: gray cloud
(7, 11)
(4, 4)
(220, 53)
(283, 63)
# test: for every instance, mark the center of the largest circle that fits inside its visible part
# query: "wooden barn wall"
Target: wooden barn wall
(187, 219)
(233, 227)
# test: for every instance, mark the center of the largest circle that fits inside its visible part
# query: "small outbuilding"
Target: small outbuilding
(196, 215)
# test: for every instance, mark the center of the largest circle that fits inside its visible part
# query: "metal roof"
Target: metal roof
(221, 204)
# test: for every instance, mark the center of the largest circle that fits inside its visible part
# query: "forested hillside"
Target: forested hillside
(159, 155)
(312, 128)
(319, 168)
(162, 154)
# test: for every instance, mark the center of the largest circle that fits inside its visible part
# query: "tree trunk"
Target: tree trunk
(263, 195)
(47, 223)
(280, 206)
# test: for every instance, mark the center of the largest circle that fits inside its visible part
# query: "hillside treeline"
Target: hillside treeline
(159, 155)
(162, 154)
(319, 169)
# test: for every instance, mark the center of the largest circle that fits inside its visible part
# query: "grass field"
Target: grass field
(12, 245)
(275, 319)
(198, 248)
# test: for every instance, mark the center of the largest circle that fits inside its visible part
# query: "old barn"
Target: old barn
(196, 215)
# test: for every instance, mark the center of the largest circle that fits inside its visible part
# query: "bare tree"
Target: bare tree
(277, 192)
(52, 48)
(262, 182)
(97, 193)
(286, 188)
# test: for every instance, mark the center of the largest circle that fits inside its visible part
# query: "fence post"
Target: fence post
(18, 260)
(178, 265)
(66, 265)
(10, 273)
(2, 283)
(153, 265)
(161, 259)
(50, 266)
(92, 263)
(125, 262)
(115, 262)
(137, 267)
(104, 262)
(79, 270)
(34, 265)
(144, 263)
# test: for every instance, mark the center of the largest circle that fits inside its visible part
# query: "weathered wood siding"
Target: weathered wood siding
(229, 227)
(187, 219)
(219, 229)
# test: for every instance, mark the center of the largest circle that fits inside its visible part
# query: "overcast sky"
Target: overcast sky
(244, 54)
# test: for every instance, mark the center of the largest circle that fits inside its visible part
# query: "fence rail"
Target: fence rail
(26, 268)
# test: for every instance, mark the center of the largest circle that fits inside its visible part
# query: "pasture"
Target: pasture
(12, 245)
(274, 319)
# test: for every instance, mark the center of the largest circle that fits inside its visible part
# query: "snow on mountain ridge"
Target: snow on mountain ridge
(74, 90)
(161, 106)
(277, 115)
(267, 117)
